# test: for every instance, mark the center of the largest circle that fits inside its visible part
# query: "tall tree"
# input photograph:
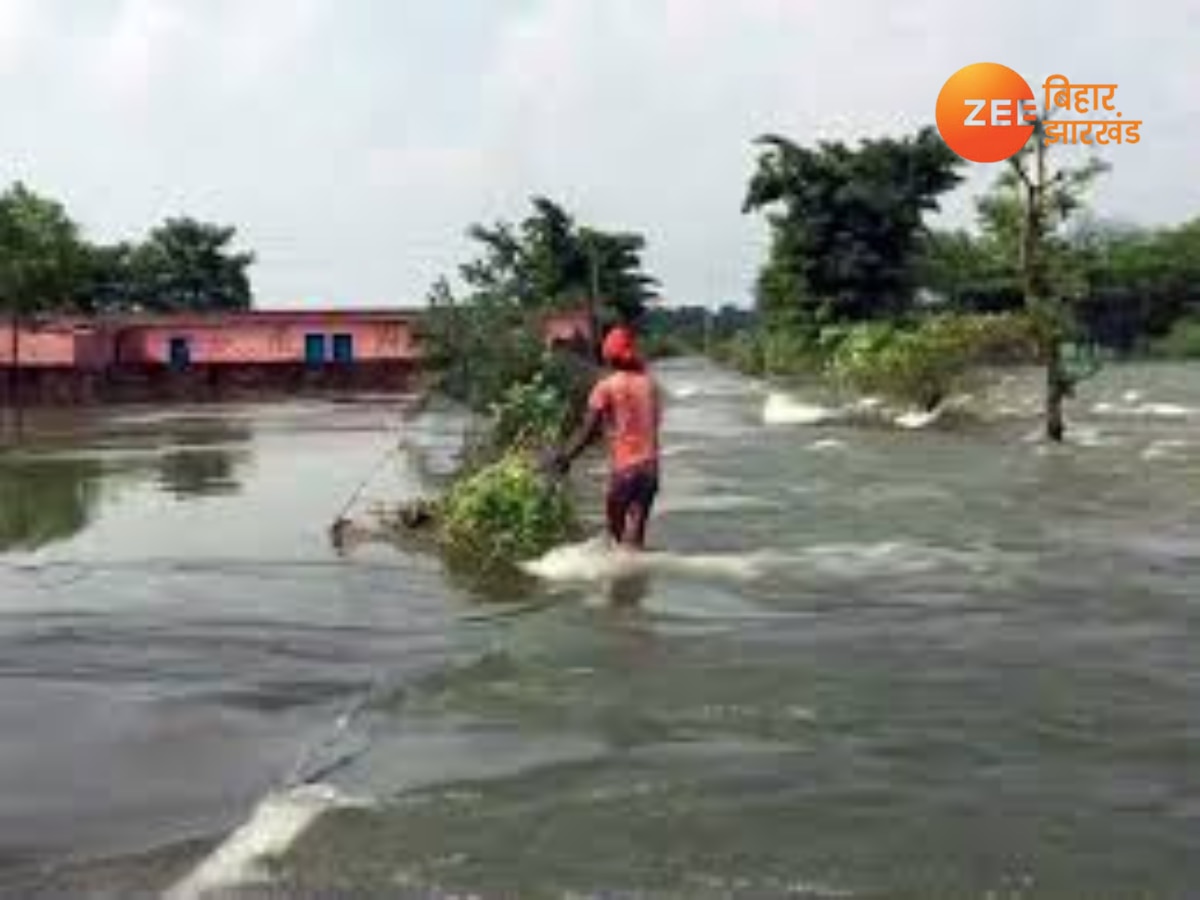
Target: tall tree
(845, 223)
(185, 265)
(42, 257)
(41, 266)
(548, 261)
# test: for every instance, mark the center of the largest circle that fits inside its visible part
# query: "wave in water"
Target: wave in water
(597, 561)
(915, 421)
(716, 503)
(276, 824)
(782, 409)
(1135, 409)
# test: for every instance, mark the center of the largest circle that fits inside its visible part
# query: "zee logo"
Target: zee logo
(1003, 113)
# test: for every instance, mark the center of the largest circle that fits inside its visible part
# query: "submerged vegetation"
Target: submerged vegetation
(919, 363)
(488, 349)
(502, 508)
(856, 287)
(923, 365)
(503, 513)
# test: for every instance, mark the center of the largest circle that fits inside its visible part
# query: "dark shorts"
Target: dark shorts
(632, 491)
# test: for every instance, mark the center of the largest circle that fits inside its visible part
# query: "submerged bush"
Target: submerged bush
(924, 364)
(505, 513)
(778, 351)
(1181, 342)
(743, 353)
(500, 510)
(530, 414)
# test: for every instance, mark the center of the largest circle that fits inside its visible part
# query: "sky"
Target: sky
(352, 142)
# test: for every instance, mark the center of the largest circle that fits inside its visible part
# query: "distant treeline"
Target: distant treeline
(680, 330)
(1133, 290)
(48, 266)
(850, 244)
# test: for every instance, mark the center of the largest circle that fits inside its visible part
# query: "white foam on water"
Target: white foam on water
(849, 560)
(278, 821)
(1089, 437)
(1165, 449)
(684, 391)
(915, 420)
(596, 561)
(780, 409)
(1132, 396)
(826, 445)
(868, 404)
(715, 503)
(1133, 409)
(1166, 410)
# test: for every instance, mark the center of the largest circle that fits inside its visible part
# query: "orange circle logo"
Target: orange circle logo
(985, 112)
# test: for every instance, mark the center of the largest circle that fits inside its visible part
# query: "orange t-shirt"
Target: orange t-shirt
(631, 407)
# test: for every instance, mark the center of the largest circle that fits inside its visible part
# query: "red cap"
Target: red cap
(620, 347)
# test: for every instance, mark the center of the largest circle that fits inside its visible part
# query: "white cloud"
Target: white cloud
(354, 140)
(19, 26)
(146, 40)
(156, 51)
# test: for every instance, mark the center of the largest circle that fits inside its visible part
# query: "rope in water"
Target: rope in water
(364, 484)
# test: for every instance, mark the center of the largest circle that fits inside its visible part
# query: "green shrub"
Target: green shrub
(530, 414)
(1181, 342)
(925, 363)
(789, 352)
(743, 353)
(776, 351)
(505, 513)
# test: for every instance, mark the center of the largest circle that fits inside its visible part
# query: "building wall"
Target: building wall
(95, 347)
(266, 341)
(237, 339)
(566, 327)
(46, 346)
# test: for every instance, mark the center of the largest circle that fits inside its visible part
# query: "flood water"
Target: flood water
(871, 661)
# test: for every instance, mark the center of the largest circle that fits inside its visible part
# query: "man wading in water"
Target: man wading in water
(626, 406)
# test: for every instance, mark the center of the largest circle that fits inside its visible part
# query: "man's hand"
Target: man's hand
(556, 463)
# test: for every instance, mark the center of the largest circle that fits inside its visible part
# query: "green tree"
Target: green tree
(1142, 282)
(549, 261)
(183, 265)
(107, 282)
(41, 266)
(42, 257)
(969, 273)
(845, 224)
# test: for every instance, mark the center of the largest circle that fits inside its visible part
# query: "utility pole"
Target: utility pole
(593, 300)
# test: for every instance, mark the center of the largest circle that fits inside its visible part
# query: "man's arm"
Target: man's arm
(588, 431)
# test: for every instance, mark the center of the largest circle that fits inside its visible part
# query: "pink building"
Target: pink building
(60, 343)
(191, 357)
(567, 327)
(312, 338)
(250, 338)
(77, 359)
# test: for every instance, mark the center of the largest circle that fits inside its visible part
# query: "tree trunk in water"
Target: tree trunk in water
(1056, 391)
